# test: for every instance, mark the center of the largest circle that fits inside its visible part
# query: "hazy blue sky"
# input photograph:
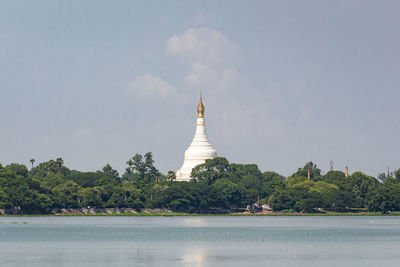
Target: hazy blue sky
(284, 82)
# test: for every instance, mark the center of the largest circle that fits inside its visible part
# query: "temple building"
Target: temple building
(199, 150)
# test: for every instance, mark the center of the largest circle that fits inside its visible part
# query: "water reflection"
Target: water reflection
(194, 222)
(199, 241)
(197, 256)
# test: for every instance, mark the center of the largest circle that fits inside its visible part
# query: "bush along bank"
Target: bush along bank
(218, 186)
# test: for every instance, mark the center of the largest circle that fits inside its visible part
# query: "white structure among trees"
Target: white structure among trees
(199, 150)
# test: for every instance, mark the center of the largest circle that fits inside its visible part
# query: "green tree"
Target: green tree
(141, 169)
(281, 200)
(180, 195)
(135, 164)
(238, 171)
(91, 179)
(91, 197)
(211, 170)
(126, 196)
(179, 204)
(19, 169)
(22, 191)
(397, 174)
(271, 182)
(50, 167)
(152, 172)
(250, 187)
(118, 199)
(385, 198)
(110, 171)
(4, 200)
(362, 184)
(232, 197)
(337, 200)
(67, 195)
(335, 177)
(171, 176)
(315, 172)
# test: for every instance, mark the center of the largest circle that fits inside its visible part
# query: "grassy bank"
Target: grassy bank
(170, 214)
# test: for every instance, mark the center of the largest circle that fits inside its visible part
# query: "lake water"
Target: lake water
(200, 241)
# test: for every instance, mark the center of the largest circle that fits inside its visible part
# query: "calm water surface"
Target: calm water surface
(200, 241)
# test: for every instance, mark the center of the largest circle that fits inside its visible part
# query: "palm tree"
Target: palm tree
(32, 161)
(171, 175)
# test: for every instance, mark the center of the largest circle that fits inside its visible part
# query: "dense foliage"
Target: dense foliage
(216, 184)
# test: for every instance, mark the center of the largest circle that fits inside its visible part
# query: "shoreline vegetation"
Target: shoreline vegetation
(218, 187)
(181, 214)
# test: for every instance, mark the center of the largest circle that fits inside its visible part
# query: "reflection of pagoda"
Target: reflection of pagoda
(199, 150)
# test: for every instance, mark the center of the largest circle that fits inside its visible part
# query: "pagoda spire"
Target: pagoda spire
(200, 108)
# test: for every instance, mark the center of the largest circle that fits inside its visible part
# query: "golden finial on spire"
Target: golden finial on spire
(347, 171)
(200, 108)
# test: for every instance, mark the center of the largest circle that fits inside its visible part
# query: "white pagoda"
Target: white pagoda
(199, 150)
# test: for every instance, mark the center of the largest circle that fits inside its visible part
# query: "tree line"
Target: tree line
(216, 184)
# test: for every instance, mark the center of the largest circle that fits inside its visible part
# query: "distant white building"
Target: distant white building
(199, 150)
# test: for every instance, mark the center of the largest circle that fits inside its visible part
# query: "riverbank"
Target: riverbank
(168, 213)
(277, 214)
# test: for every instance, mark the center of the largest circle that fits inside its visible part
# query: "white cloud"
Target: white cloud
(231, 78)
(208, 53)
(214, 60)
(214, 68)
(149, 84)
(204, 46)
